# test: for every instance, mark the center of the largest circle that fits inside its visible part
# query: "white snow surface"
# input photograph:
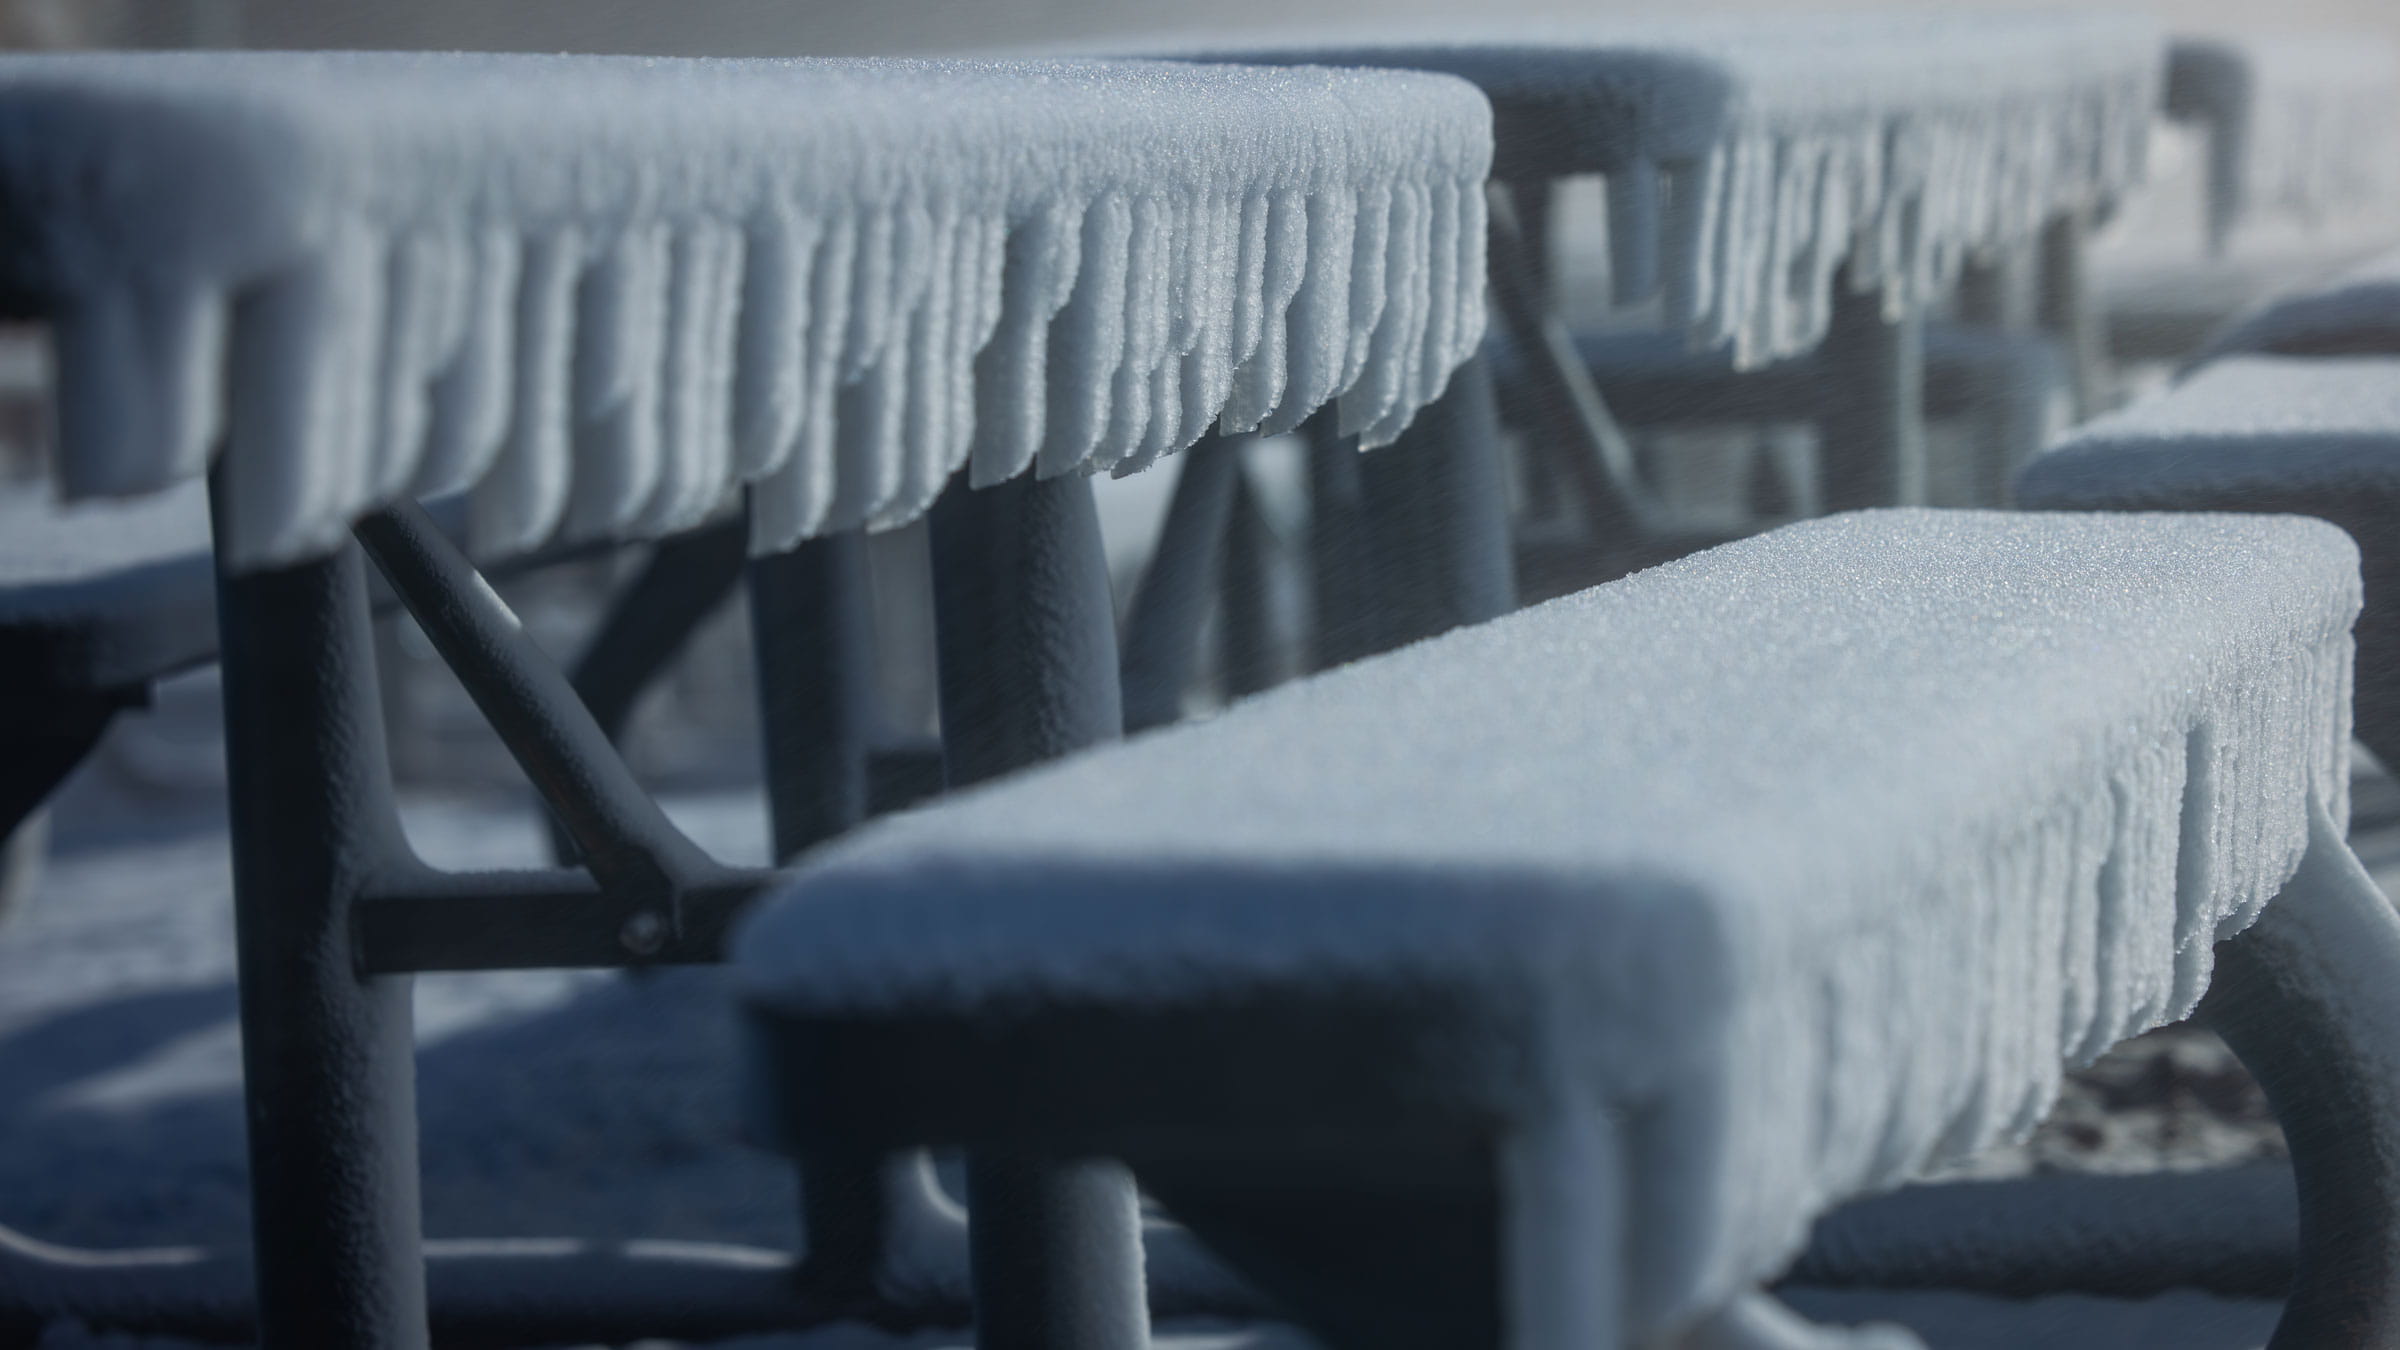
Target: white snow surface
(2235, 428)
(2357, 312)
(602, 292)
(1749, 158)
(1813, 857)
(2302, 126)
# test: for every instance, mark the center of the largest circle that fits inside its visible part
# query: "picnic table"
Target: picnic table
(1782, 185)
(599, 297)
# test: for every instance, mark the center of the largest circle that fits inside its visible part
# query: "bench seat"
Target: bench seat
(1556, 973)
(2315, 436)
(103, 595)
(2354, 313)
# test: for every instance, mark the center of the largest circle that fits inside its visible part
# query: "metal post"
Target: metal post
(1344, 624)
(813, 629)
(2069, 312)
(1996, 292)
(1247, 652)
(1028, 657)
(1871, 423)
(1050, 1242)
(1162, 627)
(1436, 508)
(812, 626)
(326, 1053)
(2305, 996)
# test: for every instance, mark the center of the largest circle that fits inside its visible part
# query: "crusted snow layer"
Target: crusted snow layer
(603, 291)
(2357, 312)
(2237, 429)
(1748, 159)
(1811, 858)
(2303, 126)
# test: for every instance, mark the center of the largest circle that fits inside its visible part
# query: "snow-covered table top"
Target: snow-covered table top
(2304, 126)
(2355, 312)
(602, 292)
(2241, 430)
(1899, 142)
(1817, 853)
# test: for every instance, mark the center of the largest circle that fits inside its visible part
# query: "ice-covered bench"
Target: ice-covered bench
(2355, 313)
(603, 298)
(1538, 984)
(2316, 436)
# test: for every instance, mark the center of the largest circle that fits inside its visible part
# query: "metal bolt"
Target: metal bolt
(645, 931)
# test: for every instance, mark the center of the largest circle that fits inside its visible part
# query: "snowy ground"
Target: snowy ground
(597, 1104)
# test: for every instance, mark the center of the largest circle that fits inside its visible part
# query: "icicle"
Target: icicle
(1260, 380)
(1087, 340)
(620, 355)
(302, 397)
(696, 399)
(976, 306)
(136, 380)
(1207, 376)
(1371, 406)
(1149, 316)
(1043, 257)
(1441, 349)
(470, 400)
(1317, 324)
(874, 306)
(521, 501)
(424, 322)
(772, 352)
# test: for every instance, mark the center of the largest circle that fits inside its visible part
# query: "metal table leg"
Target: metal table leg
(1344, 624)
(1871, 426)
(1436, 508)
(813, 628)
(2069, 311)
(1248, 656)
(1028, 659)
(326, 1053)
(1998, 292)
(812, 623)
(1162, 627)
(2307, 998)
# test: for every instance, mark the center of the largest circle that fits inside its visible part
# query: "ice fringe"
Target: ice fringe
(2301, 126)
(1809, 860)
(603, 292)
(1749, 159)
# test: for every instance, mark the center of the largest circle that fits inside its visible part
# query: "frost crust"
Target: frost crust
(601, 293)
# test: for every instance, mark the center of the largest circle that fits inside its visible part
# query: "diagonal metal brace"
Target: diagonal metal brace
(642, 862)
